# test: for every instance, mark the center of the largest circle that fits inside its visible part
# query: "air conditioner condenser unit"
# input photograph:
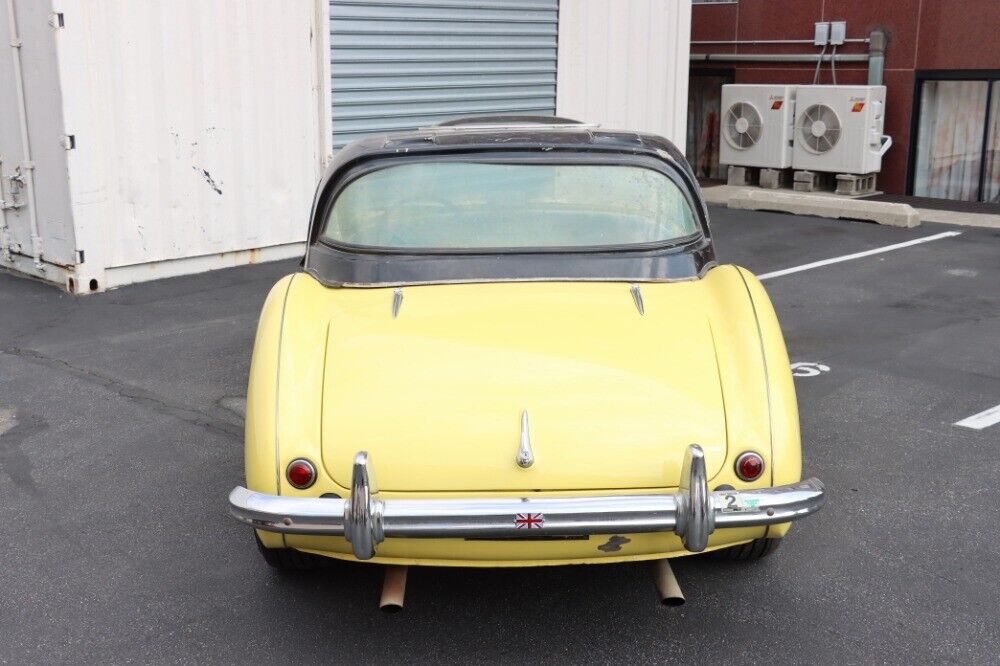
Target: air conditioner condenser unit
(839, 129)
(757, 125)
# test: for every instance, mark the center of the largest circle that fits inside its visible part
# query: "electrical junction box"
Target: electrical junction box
(822, 37)
(838, 32)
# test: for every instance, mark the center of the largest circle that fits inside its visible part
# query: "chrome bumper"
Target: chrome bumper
(365, 521)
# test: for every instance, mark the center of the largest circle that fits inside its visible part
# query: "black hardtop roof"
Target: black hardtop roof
(559, 139)
(507, 133)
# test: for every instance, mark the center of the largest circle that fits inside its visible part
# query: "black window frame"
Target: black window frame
(923, 75)
(531, 158)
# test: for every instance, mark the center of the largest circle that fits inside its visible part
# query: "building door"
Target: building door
(957, 148)
(704, 111)
(411, 63)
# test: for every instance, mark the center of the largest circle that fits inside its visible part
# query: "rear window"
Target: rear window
(479, 206)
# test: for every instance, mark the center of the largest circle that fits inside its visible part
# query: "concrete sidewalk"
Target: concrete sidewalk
(828, 204)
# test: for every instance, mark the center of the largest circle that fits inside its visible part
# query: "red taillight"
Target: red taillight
(749, 466)
(301, 473)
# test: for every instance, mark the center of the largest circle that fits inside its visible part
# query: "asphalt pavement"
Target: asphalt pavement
(120, 416)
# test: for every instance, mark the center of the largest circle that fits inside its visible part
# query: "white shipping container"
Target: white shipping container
(144, 139)
(624, 64)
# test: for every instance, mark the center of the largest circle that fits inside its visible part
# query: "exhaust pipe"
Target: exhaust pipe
(393, 589)
(666, 584)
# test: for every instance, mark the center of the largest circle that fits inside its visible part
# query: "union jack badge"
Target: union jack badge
(529, 521)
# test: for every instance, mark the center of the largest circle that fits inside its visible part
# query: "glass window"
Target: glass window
(950, 139)
(471, 205)
(704, 110)
(991, 177)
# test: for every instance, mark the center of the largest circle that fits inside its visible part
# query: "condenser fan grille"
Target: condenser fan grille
(819, 128)
(742, 125)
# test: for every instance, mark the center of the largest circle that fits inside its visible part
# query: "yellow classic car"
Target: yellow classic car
(511, 345)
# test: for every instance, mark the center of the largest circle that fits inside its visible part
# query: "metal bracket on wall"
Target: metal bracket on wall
(15, 188)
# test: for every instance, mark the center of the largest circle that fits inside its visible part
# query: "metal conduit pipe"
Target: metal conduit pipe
(4, 239)
(28, 165)
(778, 57)
(717, 42)
(877, 42)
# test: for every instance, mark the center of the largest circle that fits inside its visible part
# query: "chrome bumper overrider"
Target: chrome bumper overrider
(692, 512)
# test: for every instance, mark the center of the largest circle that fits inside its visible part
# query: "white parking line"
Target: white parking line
(858, 255)
(982, 420)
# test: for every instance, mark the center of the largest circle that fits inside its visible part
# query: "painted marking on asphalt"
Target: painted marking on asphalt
(982, 420)
(808, 369)
(858, 255)
(8, 419)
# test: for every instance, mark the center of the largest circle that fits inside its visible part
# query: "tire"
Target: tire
(748, 552)
(288, 559)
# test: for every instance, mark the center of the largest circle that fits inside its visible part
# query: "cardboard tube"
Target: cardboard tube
(393, 589)
(666, 583)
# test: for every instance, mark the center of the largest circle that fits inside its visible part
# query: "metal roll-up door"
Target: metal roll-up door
(403, 64)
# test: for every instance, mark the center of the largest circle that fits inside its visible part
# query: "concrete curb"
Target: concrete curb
(984, 220)
(882, 212)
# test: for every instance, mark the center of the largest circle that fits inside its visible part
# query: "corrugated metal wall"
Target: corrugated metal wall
(403, 64)
(624, 64)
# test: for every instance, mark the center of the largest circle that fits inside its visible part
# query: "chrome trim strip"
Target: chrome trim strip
(693, 512)
(510, 127)
(525, 456)
(277, 388)
(397, 301)
(637, 297)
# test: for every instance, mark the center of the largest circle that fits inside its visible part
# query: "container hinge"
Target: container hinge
(16, 189)
(68, 141)
(36, 244)
(56, 20)
(5, 245)
(79, 257)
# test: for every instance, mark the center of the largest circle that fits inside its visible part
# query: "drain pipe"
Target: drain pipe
(876, 56)
(666, 583)
(28, 166)
(393, 589)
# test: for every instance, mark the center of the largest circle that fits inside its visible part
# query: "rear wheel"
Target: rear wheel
(289, 559)
(748, 552)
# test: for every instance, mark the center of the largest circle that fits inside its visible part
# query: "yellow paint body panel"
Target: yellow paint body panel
(435, 394)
